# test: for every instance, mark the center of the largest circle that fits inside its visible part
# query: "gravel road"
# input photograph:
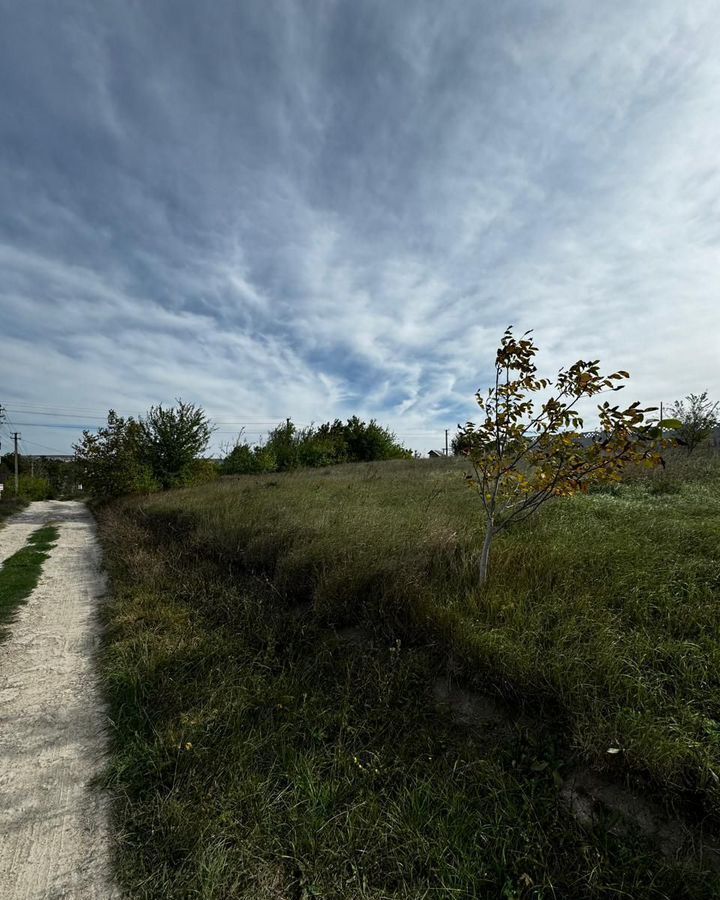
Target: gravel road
(53, 825)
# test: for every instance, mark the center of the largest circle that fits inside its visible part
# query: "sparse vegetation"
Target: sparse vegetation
(10, 505)
(258, 754)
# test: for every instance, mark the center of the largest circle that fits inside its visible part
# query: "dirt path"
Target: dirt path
(53, 828)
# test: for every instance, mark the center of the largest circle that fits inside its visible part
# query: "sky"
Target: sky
(319, 208)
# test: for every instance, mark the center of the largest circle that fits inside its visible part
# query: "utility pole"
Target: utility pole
(16, 436)
(446, 441)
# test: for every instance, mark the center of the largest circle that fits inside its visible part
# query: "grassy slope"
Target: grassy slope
(257, 755)
(605, 605)
(19, 573)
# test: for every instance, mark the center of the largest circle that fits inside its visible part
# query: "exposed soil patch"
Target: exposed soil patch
(592, 797)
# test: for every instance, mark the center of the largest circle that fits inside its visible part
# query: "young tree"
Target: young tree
(110, 463)
(696, 421)
(522, 453)
(173, 438)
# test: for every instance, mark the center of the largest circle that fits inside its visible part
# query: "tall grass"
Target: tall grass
(604, 607)
(259, 753)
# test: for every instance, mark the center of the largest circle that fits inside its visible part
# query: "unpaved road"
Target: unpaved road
(53, 826)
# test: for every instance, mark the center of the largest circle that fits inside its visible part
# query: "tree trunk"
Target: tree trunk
(485, 555)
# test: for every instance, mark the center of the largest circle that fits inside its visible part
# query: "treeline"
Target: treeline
(288, 447)
(163, 450)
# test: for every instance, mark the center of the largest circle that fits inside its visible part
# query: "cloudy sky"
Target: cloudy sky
(313, 209)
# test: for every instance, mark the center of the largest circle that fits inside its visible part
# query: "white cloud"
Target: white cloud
(339, 210)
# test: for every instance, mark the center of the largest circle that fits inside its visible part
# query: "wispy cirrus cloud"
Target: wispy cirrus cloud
(316, 209)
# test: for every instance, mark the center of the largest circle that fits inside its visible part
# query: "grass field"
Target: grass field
(261, 755)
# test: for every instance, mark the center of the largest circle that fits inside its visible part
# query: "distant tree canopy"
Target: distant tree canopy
(138, 456)
(288, 447)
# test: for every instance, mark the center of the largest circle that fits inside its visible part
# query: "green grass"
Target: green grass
(605, 605)
(601, 622)
(20, 572)
(257, 754)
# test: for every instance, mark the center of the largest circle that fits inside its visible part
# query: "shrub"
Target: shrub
(289, 447)
(696, 421)
(36, 488)
(111, 463)
(201, 471)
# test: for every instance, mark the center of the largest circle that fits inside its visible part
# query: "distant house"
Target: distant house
(436, 454)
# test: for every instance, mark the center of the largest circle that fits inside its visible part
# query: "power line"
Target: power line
(72, 425)
(44, 446)
(58, 415)
(274, 420)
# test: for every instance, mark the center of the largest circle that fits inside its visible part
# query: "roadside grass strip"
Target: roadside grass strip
(20, 572)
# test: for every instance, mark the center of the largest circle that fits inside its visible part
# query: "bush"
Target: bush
(139, 457)
(288, 448)
(200, 471)
(243, 460)
(111, 462)
(30, 488)
(171, 440)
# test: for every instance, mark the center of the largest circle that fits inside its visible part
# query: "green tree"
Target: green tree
(696, 418)
(172, 438)
(283, 443)
(111, 462)
(289, 447)
(460, 444)
(523, 453)
(370, 442)
(240, 460)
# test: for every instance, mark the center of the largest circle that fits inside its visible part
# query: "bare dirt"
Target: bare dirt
(53, 824)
